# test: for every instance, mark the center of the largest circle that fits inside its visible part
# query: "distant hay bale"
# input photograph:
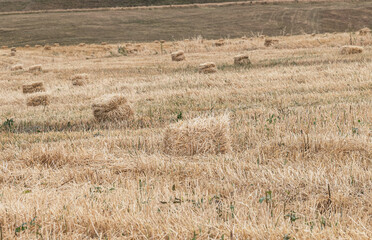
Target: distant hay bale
(220, 43)
(81, 44)
(162, 41)
(178, 56)
(103, 43)
(79, 79)
(37, 46)
(156, 41)
(269, 42)
(35, 68)
(27, 46)
(16, 67)
(13, 49)
(33, 88)
(187, 40)
(244, 38)
(113, 108)
(4, 47)
(364, 31)
(210, 135)
(47, 47)
(56, 44)
(350, 49)
(209, 67)
(38, 99)
(242, 59)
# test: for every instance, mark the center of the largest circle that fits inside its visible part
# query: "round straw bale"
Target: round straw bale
(202, 135)
(350, 49)
(364, 31)
(38, 99)
(113, 108)
(178, 56)
(79, 79)
(242, 59)
(209, 67)
(16, 67)
(33, 87)
(35, 68)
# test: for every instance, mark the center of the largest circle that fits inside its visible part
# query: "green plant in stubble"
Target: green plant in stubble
(8, 125)
(123, 51)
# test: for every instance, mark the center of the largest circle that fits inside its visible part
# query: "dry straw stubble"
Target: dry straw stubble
(38, 99)
(202, 135)
(34, 87)
(113, 108)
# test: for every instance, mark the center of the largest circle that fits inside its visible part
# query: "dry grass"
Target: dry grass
(300, 133)
(80, 79)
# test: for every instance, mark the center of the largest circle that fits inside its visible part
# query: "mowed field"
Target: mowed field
(300, 122)
(211, 22)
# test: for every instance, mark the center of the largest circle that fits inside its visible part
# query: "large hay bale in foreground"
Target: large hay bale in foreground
(16, 67)
(210, 135)
(35, 68)
(79, 79)
(34, 87)
(38, 99)
(113, 108)
(178, 56)
(269, 42)
(350, 49)
(209, 67)
(364, 31)
(242, 59)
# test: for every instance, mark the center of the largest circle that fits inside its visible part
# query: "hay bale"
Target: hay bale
(33, 88)
(350, 49)
(35, 68)
(103, 43)
(220, 43)
(269, 42)
(47, 47)
(37, 46)
(56, 44)
(364, 31)
(209, 67)
(4, 47)
(38, 99)
(156, 41)
(27, 46)
(178, 56)
(81, 44)
(244, 38)
(242, 59)
(113, 108)
(12, 54)
(210, 135)
(79, 79)
(162, 41)
(13, 49)
(16, 67)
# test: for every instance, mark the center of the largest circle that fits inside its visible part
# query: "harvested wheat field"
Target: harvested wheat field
(280, 148)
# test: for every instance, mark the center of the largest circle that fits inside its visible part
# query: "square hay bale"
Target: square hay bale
(209, 67)
(35, 68)
(81, 44)
(37, 46)
(13, 49)
(38, 99)
(113, 108)
(47, 47)
(27, 46)
(202, 135)
(79, 79)
(162, 41)
(219, 43)
(103, 43)
(242, 59)
(365, 31)
(32, 88)
(269, 42)
(56, 44)
(16, 67)
(350, 49)
(178, 56)
(4, 47)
